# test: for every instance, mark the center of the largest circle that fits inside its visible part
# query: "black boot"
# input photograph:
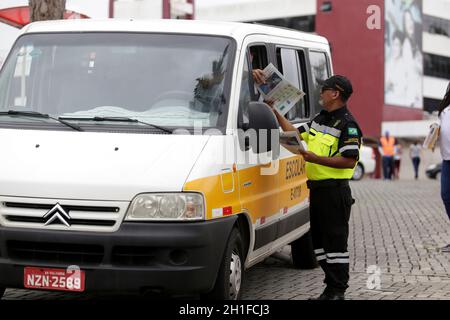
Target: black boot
(330, 295)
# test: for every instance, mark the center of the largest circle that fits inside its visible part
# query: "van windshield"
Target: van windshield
(167, 80)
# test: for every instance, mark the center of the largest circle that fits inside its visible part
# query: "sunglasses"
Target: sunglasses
(327, 88)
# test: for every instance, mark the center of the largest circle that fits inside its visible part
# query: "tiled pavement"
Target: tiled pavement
(397, 227)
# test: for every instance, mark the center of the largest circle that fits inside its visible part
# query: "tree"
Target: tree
(46, 9)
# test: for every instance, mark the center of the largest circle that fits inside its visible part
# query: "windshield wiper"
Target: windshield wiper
(36, 114)
(117, 119)
(25, 113)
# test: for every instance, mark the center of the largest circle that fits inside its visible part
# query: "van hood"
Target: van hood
(93, 165)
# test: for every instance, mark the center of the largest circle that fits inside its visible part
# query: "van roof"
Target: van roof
(237, 30)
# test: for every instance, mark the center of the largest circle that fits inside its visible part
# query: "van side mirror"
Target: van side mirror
(264, 123)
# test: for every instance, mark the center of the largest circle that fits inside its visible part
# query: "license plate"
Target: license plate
(70, 279)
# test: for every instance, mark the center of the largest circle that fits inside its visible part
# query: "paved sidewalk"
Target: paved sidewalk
(396, 226)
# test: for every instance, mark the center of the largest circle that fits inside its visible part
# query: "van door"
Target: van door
(259, 186)
(294, 195)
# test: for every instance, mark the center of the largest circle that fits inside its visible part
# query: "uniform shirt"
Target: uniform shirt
(415, 151)
(445, 133)
(389, 149)
(331, 134)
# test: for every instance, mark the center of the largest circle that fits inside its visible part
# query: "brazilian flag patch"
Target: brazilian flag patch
(352, 131)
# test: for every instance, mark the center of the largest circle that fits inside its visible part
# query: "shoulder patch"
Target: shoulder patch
(352, 131)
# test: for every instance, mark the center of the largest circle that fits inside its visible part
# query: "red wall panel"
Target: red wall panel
(357, 53)
(395, 113)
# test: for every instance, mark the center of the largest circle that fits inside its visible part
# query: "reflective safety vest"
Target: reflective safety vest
(324, 140)
(388, 146)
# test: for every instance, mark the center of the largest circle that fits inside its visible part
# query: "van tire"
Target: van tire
(2, 292)
(358, 174)
(229, 280)
(302, 250)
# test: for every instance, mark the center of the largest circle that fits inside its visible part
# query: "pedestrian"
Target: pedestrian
(444, 117)
(414, 154)
(386, 147)
(333, 138)
(397, 160)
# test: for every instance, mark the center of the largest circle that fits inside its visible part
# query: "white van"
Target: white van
(124, 161)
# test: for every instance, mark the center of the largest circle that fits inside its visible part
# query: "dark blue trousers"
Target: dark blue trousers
(388, 167)
(445, 185)
(416, 162)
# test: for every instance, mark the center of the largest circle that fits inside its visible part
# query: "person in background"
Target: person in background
(397, 160)
(414, 154)
(444, 117)
(386, 148)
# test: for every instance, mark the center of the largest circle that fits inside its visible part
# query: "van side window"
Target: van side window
(257, 59)
(319, 70)
(259, 56)
(291, 65)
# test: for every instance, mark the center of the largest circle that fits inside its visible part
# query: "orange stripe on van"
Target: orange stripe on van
(262, 201)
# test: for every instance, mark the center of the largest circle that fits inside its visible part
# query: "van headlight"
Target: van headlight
(166, 206)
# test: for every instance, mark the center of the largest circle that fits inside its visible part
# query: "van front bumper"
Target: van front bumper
(178, 257)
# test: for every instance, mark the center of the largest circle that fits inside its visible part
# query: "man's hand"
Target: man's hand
(309, 156)
(270, 103)
(258, 76)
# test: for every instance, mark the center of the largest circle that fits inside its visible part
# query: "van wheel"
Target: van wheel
(229, 279)
(302, 250)
(358, 173)
(2, 292)
(438, 176)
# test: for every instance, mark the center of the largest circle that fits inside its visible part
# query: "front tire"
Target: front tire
(230, 277)
(302, 250)
(359, 172)
(438, 176)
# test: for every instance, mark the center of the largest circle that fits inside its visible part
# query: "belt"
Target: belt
(314, 184)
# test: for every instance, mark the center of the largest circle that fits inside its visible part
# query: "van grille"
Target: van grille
(73, 222)
(66, 207)
(96, 216)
